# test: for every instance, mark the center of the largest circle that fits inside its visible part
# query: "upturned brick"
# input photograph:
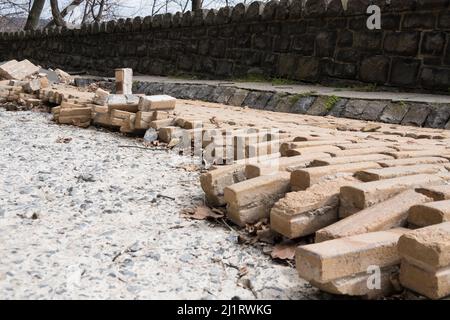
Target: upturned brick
(157, 102)
(432, 284)
(356, 285)
(385, 215)
(330, 260)
(441, 192)
(360, 196)
(423, 215)
(307, 144)
(251, 200)
(359, 152)
(412, 161)
(308, 150)
(349, 159)
(427, 247)
(302, 213)
(303, 178)
(282, 164)
(214, 182)
(394, 172)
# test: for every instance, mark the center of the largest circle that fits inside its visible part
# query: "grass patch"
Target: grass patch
(331, 102)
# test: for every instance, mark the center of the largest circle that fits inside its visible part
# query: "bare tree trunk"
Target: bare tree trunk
(67, 10)
(196, 4)
(97, 17)
(57, 18)
(34, 15)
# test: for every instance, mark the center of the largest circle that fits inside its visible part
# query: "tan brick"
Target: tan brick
(124, 80)
(415, 154)
(159, 115)
(302, 213)
(251, 200)
(102, 118)
(166, 134)
(330, 260)
(438, 193)
(158, 124)
(427, 247)
(432, 284)
(349, 159)
(17, 70)
(412, 161)
(360, 196)
(307, 150)
(157, 102)
(214, 182)
(74, 119)
(263, 148)
(101, 97)
(357, 285)
(363, 145)
(68, 112)
(430, 213)
(385, 215)
(306, 144)
(394, 172)
(359, 152)
(303, 178)
(282, 164)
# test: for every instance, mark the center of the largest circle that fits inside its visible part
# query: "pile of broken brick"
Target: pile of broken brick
(376, 208)
(21, 82)
(28, 85)
(377, 203)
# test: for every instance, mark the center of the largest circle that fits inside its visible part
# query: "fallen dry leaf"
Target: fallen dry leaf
(371, 127)
(190, 167)
(63, 140)
(242, 271)
(201, 213)
(215, 121)
(284, 251)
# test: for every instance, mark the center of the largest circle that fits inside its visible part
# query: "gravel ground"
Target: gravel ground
(83, 220)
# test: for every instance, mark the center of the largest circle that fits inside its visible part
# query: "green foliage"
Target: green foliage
(331, 102)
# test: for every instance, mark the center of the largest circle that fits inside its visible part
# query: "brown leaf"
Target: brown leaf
(371, 127)
(284, 251)
(190, 167)
(202, 213)
(63, 140)
(215, 121)
(242, 271)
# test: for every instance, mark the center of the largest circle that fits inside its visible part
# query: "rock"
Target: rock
(151, 135)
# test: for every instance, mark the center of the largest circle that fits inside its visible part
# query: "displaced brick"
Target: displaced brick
(349, 159)
(158, 102)
(394, 172)
(303, 178)
(214, 182)
(385, 215)
(428, 247)
(251, 200)
(302, 213)
(412, 161)
(430, 213)
(360, 196)
(438, 193)
(281, 164)
(434, 285)
(326, 261)
(356, 285)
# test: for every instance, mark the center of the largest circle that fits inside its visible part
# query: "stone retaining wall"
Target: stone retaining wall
(314, 41)
(400, 112)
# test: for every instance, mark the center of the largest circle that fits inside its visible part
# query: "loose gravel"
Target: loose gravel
(91, 219)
